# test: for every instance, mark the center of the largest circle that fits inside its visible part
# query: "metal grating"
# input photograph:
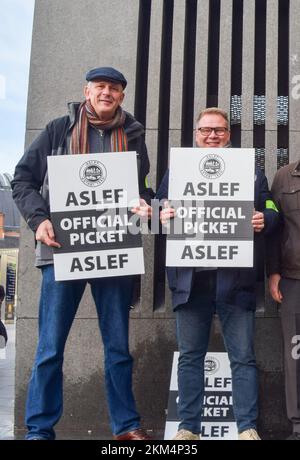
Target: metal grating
(283, 110)
(260, 158)
(282, 157)
(236, 110)
(259, 110)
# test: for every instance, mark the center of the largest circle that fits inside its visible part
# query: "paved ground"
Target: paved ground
(7, 383)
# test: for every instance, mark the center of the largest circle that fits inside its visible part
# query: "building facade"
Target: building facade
(9, 247)
(179, 56)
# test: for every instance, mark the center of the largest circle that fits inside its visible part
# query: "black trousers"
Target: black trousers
(290, 320)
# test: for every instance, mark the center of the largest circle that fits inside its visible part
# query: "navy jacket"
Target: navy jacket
(235, 286)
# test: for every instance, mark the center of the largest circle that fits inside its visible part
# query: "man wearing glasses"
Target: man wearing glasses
(230, 292)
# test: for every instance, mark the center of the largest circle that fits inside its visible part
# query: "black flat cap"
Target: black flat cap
(107, 74)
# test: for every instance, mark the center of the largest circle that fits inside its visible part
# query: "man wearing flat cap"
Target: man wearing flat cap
(98, 124)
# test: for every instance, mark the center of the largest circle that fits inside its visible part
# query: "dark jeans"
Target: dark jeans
(193, 329)
(58, 305)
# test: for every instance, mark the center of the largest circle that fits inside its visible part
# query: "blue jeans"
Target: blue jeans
(58, 305)
(193, 329)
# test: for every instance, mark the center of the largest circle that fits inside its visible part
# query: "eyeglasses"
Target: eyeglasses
(219, 131)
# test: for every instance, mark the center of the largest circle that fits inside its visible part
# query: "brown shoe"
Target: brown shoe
(135, 435)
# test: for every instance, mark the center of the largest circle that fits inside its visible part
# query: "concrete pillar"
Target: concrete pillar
(225, 55)
(294, 95)
(271, 88)
(248, 73)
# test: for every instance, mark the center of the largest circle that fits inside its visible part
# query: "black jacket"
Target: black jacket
(283, 255)
(30, 183)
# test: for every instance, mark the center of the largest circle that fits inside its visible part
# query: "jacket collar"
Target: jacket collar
(72, 109)
(296, 170)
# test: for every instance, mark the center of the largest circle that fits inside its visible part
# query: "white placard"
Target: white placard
(212, 191)
(209, 253)
(217, 415)
(90, 201)
(93, 181)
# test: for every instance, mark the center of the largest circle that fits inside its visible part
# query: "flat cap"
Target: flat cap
(107, 74)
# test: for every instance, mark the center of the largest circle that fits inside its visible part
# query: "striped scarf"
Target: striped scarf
(87, 115)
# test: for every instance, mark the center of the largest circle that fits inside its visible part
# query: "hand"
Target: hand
(274, 287)
(167, 213)
(45, 234)
(258, 221)
(143, 210)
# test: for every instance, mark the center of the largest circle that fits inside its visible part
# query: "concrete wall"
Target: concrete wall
(72, 36)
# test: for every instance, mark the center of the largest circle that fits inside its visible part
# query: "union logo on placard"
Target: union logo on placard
(92, 173)
(212, 166)
(211, 365)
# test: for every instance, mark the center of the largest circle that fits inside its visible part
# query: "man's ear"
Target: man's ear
(122, 98)
(86, 92)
